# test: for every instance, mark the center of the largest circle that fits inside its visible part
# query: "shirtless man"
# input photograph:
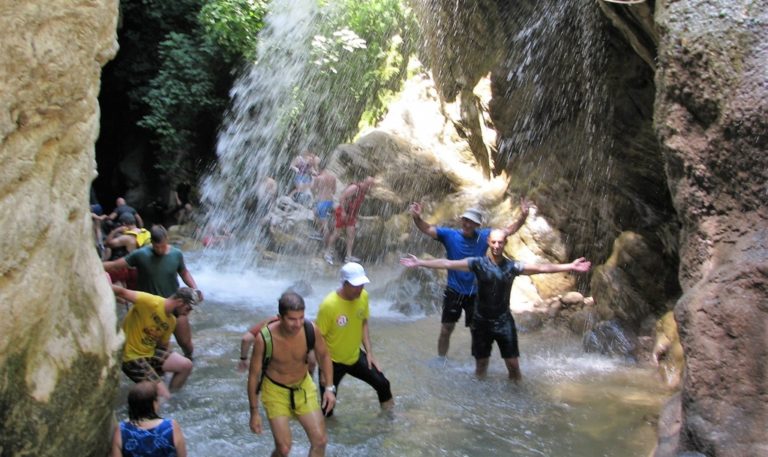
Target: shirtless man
(125, 238)
(286, 387)
(346, 218)
(120, 242)
(324, 188)
(305, 167)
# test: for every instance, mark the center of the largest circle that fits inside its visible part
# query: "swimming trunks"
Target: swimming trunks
(323, 209)
(284, 401)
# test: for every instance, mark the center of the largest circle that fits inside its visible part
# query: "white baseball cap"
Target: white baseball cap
(474, 215)
(354, 274)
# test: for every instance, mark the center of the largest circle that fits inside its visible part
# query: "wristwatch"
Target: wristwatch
(332, 389)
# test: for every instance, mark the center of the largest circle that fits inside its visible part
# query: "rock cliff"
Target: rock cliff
(58, 337)
(640, 132)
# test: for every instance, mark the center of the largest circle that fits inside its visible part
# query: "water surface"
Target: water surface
(569, 403)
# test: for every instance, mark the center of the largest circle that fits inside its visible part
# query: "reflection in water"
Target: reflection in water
(569, 404)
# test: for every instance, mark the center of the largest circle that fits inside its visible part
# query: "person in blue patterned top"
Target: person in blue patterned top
(492, 319)
(145, 433)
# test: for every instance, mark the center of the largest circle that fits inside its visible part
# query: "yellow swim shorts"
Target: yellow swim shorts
(297, 399)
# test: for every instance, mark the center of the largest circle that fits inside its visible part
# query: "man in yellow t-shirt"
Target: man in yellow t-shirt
(343, 321)
(148, 327)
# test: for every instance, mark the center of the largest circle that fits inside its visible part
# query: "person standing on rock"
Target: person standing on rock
(469, 241)
(158, 267)
(492, 319)
(323, 189)
(346, 218)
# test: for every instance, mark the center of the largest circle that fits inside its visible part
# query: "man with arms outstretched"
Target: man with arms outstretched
(285, 386)
(492, 319)
(469, 241)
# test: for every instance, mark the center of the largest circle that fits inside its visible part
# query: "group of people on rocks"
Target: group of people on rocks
(315, 186)
(284, 350)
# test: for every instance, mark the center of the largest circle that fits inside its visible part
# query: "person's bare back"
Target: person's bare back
(324, 186)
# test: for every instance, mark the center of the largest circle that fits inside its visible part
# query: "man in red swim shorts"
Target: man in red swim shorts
(346, 217)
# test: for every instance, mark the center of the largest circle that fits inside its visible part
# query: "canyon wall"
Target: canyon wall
(640, 132)
(58, 338)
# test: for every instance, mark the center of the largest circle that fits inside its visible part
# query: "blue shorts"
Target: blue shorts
(302, 179)
(324, 209)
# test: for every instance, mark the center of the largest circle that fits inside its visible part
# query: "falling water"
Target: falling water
(561, 133)
(256, 140)
(571, 403)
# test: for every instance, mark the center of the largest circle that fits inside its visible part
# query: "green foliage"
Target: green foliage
(188, 93)
(169, 83)
(182, 92)
(361, 51)
(234, 24)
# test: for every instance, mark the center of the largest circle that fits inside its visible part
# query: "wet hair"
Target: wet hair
(187, 294)
(127, 219)
(290, 301)
(141, 401)
(158, 234)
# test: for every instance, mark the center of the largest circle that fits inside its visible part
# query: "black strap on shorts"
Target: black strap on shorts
(291, 390)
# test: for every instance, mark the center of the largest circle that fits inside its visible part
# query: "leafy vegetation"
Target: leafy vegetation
(165, 94)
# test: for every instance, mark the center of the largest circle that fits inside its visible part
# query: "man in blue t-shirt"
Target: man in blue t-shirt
(469, 241)
(492, 319)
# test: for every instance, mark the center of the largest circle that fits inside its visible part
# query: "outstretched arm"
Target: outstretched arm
(580, 265)
(125, 294)
(423, 226)
(186, 276)
(113, 265)
(411, 261)
(513, 227)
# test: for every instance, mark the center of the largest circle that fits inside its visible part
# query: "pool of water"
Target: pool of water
(568, 404)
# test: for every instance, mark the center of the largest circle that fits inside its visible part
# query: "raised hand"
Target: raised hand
(415, 209)
(410, 261)
(581, 265)
(525, 206)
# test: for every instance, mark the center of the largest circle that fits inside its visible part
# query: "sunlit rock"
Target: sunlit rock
(58, 334)
(667, 350)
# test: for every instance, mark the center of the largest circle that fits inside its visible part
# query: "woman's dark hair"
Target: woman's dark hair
(141, 401)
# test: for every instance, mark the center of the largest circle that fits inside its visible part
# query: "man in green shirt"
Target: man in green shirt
(159, 267)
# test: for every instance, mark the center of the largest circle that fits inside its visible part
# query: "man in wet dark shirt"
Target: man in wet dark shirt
(492, 319)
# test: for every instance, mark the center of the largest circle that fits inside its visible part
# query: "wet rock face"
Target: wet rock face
(573, 109)
(712, 120)
(58, 338)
